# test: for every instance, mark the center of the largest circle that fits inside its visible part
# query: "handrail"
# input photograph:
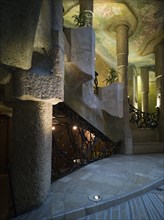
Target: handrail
(144, 119)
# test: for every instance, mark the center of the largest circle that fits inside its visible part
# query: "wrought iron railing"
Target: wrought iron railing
(76, 142)
(95, 85)
(144, 119)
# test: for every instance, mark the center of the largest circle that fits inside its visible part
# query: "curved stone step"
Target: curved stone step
(144, 207)
(148, 147)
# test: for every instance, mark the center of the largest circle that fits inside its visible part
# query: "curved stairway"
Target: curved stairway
(149, 206)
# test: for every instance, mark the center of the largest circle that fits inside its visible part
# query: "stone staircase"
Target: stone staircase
(103, 110)
(79, 93)
(148, 206)
(146, 140)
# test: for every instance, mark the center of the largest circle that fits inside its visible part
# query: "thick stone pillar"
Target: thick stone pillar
(122, 54)
(31, 162)
(122, 64)
(159, 66)
(37, 89)
(87, 7)
(132, 85)
(58, 45)
(135, 90)
(145, 88)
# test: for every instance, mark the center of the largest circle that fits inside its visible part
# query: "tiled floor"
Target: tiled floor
(116, 180)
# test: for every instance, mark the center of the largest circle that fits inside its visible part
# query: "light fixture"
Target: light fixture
(95, 197)
(53, 128)
(76, 160)
(158, 100)
(74, 127)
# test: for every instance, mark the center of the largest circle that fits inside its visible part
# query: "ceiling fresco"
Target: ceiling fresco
(144, 17)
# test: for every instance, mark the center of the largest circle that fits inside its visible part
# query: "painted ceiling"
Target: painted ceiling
(146, 21)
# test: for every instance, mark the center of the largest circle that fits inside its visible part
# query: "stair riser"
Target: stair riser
(144, 135)
(144, 148)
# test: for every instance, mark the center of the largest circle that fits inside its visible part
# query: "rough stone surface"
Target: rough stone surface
(38, 83)
(58, 62)
(79, 94)
(5, 76)
(109, 98)
(58, 46)
(31, 164)
(112, 99)
(43, 38)
(37, 46)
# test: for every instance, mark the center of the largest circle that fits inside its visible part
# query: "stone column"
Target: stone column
(122, 54)
(58, 46)
(122, 32)
(159, 66)
(135, 90)
(132, 85)
(87, 6)
(36, 90)
(31, 162)
(145, 88)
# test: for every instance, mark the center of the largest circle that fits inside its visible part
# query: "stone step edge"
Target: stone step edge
(147, 143)
(107, 203)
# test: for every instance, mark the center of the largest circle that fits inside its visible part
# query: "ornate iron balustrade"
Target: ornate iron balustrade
(144, 119)
(76, 142)
(95, 85)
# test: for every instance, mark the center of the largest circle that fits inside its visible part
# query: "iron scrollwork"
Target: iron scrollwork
(76, 142)
(95, 85)
(144, 119)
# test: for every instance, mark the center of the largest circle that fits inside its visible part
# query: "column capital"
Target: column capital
(145, 68)
(159, 45)
(126, 18)
(125, 25)
(87, 7)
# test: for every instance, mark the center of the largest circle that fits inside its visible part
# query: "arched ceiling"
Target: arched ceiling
(146, 21)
